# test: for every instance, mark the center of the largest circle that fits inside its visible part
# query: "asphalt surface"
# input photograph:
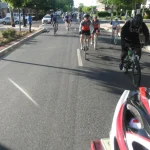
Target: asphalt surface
(49, 102)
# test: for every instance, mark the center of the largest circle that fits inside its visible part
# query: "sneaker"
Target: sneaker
(121, 66)
(81, 47)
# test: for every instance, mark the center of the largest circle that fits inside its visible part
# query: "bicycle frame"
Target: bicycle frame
(132, 62)
(85, 44)
(55, 25)
(115, 36)
(85, 40)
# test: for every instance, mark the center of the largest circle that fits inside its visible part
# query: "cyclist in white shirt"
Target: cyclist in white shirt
(115, 26)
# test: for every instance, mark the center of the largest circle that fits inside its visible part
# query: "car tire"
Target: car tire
(4, 23)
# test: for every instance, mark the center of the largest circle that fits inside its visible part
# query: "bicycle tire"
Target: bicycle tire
(85, 53)
(115, 40)
(95, 42)
(136, 68)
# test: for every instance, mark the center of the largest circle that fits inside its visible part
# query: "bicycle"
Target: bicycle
(67, 22)
(132, 62)
(85, 44)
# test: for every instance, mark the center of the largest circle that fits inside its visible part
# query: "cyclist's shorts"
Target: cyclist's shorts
(86, 32)
(55, 22)
(114, 28)
(67, 20)
(94, 31)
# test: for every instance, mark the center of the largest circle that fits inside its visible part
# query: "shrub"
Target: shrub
(147, 14)
(146, 17)
(12, 32)
(103, 14)
(8, 33)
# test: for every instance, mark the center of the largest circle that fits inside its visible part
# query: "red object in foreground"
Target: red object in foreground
(96, 145)
(102, 144)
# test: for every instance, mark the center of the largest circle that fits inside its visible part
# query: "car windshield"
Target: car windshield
(7, 18)
(47, 17)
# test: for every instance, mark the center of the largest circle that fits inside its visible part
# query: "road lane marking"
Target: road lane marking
(25, 93)
(79, 58)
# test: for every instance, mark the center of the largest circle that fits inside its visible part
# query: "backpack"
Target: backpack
(136, 30)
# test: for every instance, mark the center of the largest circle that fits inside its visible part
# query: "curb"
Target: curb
(18, 44)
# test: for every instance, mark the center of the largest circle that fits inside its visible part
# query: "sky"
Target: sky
(85, 2)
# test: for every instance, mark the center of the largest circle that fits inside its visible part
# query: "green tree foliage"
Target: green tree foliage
(80, 7)
(46, 5)
(121, 4)
(87, 9)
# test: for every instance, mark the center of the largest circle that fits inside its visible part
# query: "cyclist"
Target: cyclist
(96, 27)
(84, 29)
(130, 33)
(115, 26)
(67, 20)
(52, 17)
(80, 17)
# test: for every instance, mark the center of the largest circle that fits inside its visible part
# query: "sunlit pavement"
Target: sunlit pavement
(49, 100)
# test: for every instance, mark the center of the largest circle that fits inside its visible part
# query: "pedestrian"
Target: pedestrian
(30, 22)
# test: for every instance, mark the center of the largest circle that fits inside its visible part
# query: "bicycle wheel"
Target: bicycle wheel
(85, 47)
(85, 53)
(115, 39)
(136, 73)
(95, 42)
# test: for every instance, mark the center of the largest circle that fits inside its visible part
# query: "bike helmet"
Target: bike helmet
(116, 18)
(131, 122)
(137, 21)
(86, 16)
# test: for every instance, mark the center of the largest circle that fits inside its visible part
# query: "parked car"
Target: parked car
(16, 15)
(7, 20)
(46, 19)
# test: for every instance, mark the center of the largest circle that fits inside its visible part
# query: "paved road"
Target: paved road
(49, 102)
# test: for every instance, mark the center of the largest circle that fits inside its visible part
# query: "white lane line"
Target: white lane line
(79, 58)
(26, 94)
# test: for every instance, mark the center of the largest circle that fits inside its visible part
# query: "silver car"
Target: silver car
(7, 20)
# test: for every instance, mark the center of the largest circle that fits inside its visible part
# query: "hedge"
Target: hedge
(103, 14)
(8, 33)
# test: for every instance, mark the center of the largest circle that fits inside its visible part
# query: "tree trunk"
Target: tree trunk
(19, 20)
(24, 20)
(12, 17)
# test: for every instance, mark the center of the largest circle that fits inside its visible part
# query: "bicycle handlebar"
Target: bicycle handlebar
(133, 45)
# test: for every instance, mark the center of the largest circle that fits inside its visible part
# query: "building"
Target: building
(3, 9)
(100, 6)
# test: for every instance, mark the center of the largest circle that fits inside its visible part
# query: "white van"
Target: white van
(16, 15)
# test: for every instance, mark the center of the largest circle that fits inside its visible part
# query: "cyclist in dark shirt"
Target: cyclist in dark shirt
(130, 32)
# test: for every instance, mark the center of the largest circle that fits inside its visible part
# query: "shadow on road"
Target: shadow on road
(113, 81)
(2, 147)
(61, 35)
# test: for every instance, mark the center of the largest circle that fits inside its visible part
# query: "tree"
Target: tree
(16, 4)
(121, 4)
(80, 7)
(86, 9)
